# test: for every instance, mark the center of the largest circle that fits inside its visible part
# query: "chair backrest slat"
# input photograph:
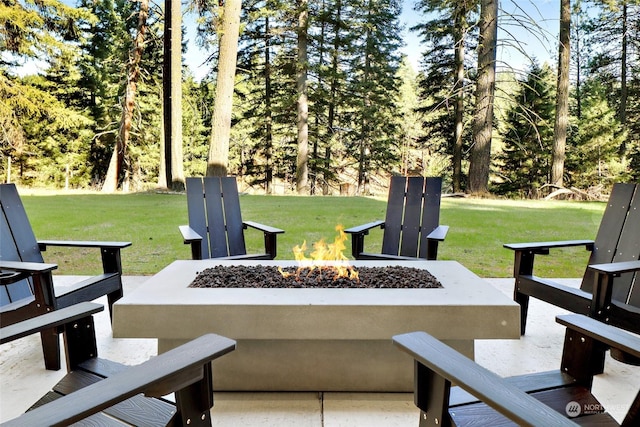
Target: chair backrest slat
(430, 211)
(215, 217)
(17, 241)
(393, 219)
(628, 287)
(233, 216)
(412, 216)
(196, 212)
(615, 240)
(413, 211)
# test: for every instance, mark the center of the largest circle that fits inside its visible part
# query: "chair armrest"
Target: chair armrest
(174, 370)
(543, 247)
(189, 235)
(609, 335)
(364, 228)
(262, 227)
(603, 291)
(27, 267)
(616, 268)
(82, 244)
(357, 237)
(270, 237)
(48, 320)
(447, 363)
(439, 233)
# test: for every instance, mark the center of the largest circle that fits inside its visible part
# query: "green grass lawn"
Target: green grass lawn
(478, 228)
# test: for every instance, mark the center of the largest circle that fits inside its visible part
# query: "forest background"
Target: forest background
(98, 98)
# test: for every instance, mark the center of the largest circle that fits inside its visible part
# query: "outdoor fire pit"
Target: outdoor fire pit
(311, 338)
(261, 276)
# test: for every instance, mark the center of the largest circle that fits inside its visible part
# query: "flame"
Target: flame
(323, 252)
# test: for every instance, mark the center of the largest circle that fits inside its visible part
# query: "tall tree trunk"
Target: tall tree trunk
(624, 91)
(313, 182)
(578, 55)
(480, 158)
(268, 109)
(562, 96)
(459, 32)
(302, 162)
(333, 95)
(172, 95)
(113, 172)
(162, 170)
(218, 160)
(129, 101)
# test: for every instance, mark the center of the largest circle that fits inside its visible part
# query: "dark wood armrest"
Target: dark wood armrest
(48, 320)
(262, 227)
(609, 335)
(174, 370)
(27, 267)
(616, 268)
(82, 244)
(543, 247)
(189, 235)
(364, 228)
(488, 387)
(439, 233)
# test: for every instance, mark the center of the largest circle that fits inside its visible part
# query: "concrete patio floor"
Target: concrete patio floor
(23, 378)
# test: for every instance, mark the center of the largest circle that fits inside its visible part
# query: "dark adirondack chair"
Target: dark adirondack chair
(26, 282)
(216, 228)
(412, 227)
(101, 392)
(613, 264)
(481, 398)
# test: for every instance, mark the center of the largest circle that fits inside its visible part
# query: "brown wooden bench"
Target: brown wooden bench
(411, 227)
(27, 287)
(101, 392)
(555, 398)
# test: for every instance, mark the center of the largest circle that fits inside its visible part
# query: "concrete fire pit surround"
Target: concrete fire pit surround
(315, 339)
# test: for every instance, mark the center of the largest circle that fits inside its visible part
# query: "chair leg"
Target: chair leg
(523, 300)
(113, 297)
(195, 401)
(51, 349)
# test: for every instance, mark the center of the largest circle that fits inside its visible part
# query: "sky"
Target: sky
(545, 13)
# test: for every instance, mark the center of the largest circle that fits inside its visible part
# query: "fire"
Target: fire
(323, 252)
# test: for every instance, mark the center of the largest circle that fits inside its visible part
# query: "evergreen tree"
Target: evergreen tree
(594, 158)
(528, 137)
(615, 52)
(373, 88)
(445, 66)
(480, 157)
(47, 32)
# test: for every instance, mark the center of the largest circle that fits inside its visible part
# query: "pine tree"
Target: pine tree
(32, 30)
(594, 158)
(526, 154)
(373, 87)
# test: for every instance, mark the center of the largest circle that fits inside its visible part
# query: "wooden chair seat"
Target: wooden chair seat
(554, 398)
(97, 391)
